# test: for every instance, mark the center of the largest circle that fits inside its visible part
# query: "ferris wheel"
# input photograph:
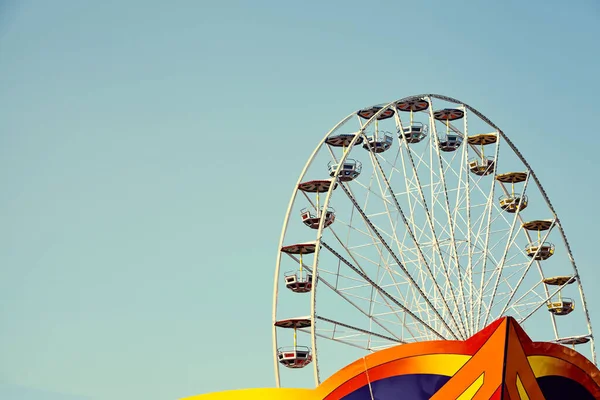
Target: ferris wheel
(440, 226)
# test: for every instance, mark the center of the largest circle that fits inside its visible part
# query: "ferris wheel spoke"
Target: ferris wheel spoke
(544, 301)
(416, 241)
(395, 284)
(541, 298)
(435, 240)
(383, 292)
(466, 254)
(452, 226)
(467, 218)
(353, 338)
(507, 266)
(347, 298)
(365, 331)
(506, 296)
(413, 230)
(450, 223)
(393, 224)
(386, 266)
(363, 274)
(499, 267)
(510, 242)
(378, 318)
(419, 235)
(524, 298)
(438, 192)
(378, 229)
(414, 234)
(504, 262)
(488, 212)
(528, 266)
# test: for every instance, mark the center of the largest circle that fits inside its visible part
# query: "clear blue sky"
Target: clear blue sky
(148, 149)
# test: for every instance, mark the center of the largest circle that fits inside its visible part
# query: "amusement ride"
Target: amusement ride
(412, 221)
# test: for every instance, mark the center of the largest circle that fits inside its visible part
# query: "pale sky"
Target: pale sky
(148, 150)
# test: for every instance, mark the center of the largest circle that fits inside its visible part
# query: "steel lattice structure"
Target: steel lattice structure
(436, 232)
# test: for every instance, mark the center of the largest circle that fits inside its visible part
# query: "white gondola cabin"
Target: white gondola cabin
(349, 171)
(513, 202)
(413, 133)
(298, 282)
(540, 250)
(482, 166)
(294, 356)
(377, 143)
(311, 218)
(563, 306)
(449, 142)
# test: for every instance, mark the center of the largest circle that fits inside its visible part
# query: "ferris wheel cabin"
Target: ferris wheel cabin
(379, 144)
(414, 133)
(311, 218)
(512, 202)
(482, 166)
(294, 356)
(450, 142)
(375, 142)
(562, 307)
(539, 250)
(299, 281)
(350, 169)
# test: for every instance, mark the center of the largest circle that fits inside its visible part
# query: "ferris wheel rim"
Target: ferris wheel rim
(360, 136)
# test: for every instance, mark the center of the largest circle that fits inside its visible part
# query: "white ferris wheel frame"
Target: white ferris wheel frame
(319, 232)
